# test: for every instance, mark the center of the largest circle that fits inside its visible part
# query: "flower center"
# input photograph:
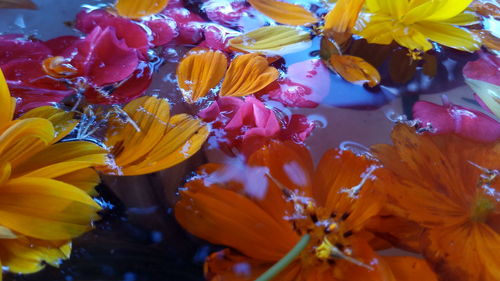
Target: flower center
(482, 208)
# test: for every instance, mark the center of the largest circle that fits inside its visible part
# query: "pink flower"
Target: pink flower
(453, 119)
(307, 83)
(21, 62)
(225, 12)
(244, 124)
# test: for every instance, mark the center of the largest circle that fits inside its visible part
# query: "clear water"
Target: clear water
(138, 237)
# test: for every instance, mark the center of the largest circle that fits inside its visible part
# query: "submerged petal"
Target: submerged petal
(283, 12)
(136, 9)
(200, 71)
(272, 40)
(355, 69)
(247, 75)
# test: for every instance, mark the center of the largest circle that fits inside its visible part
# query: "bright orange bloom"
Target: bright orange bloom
(148, 139)
(450, 187)
(201, 70)
(262, 223)
(43, 186)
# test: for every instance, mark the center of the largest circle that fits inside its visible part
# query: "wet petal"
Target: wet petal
(355, 69)
(273, 40)
(410, 269)
(7, 103)
(199, 72)
(62, 121)
(137, 9)
(283, 12)
(246, 75)
(448, 35)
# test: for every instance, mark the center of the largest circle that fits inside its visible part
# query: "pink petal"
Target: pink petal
(189, 25)
(301, 87)
(225, 12)
(465, 122)
(12, 47)
(164, 30)
(297, 128)
(485, 68)
(60, 44)
(217, 38)
(28, 82)
(102, 58)
(132, 88)
(134, 35)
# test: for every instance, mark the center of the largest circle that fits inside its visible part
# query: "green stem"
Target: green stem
(286, 260)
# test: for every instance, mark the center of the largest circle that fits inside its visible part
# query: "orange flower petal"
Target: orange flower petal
(284, 13)
(200, 71)
(343, 17)
(226, 217)
(355, 69)
(246, 75)
(344, 184)
(410, 269)
(135, 9)
(272, 40)
(58, 67)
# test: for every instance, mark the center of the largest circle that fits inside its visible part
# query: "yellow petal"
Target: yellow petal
(136, 9)
(131, 140)
(86, 180)
(25, 255)
(25, 138)
(273, 40)
(448, 9)
(200, 71)
(378, 30)
(184, 138)
(6, 233)
(246, 75)
(343, 16)
(284, 13)
(151, 141)
(46, 209)
(62, 121)
(448, 35)
(463, 19)
(355, 69)
(488, 92)
(7, 105)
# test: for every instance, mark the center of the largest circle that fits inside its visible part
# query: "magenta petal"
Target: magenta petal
(225, 12)
(297, 128)
(465, 122)
(301, 87)
(217, 38)
(164, 30)
(102, 58)
(130, 89)
(12, 47)
(189, 25)
(484, 69)
(134, 35)
(28, 82)
(60, 44)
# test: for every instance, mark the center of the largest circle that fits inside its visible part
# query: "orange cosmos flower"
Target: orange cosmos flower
(148, 139)
(43, 184)
(202, 70)
(261, 223)
(449, 186)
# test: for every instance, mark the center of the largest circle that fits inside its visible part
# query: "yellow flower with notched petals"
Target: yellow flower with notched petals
(412, 23)
(43, 186)
(149, 139)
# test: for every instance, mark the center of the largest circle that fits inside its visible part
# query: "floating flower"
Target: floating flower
(448, 185)
(413, 23)
(44, 184)
(243, 124)
(453, 119)
(483, 77)
(329, 204)
(136, 9)
(202, 70)
(149, 139)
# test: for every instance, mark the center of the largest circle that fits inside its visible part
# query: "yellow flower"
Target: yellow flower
(412, 23)
(148, 139)
(43, 184)
(202, 70)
